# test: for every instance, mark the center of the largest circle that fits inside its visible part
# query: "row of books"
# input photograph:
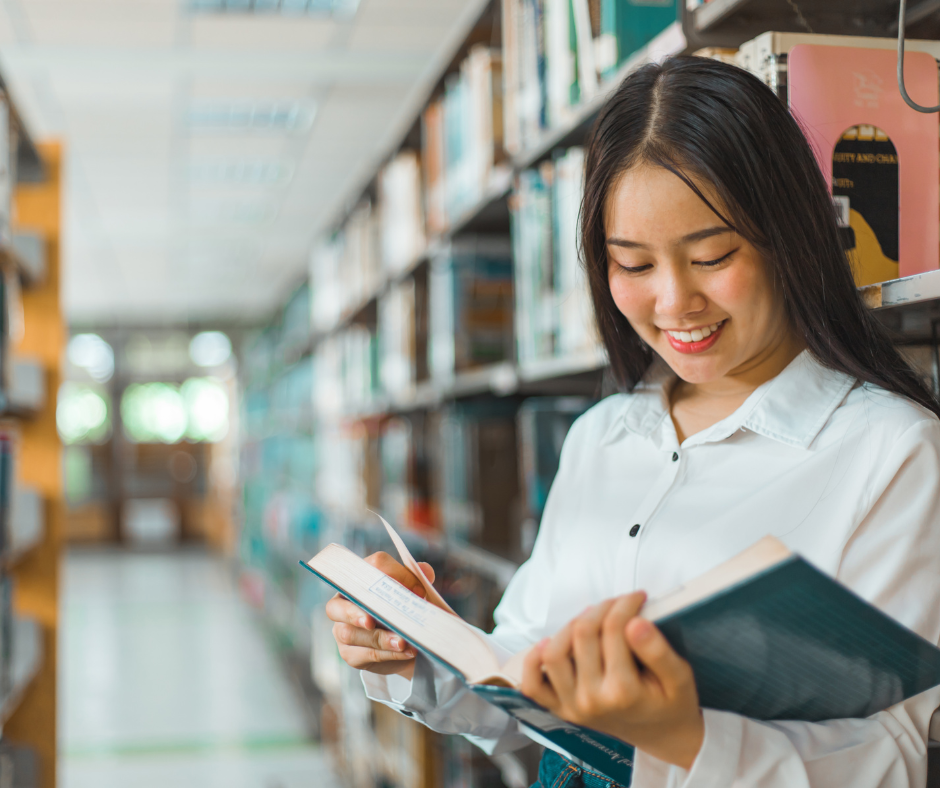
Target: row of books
(345, 269)
(467, 309)
(417, 194)
(553, 310)
(463, 139)
(475, 472)
(453, 316)
(557, 53)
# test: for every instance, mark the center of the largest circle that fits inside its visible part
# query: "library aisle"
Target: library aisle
(167, 678)
(270, 267)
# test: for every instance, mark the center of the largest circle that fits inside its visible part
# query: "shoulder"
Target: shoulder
(888, 411)
(889, 419)
(592, 426)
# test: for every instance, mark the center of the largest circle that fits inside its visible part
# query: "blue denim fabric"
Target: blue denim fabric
(558, 772)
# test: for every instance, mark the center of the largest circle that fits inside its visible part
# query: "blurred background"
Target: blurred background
(266, 265)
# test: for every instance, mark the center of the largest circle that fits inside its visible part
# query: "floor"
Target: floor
(166, 679)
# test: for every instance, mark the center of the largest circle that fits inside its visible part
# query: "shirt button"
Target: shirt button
(675, 456)
(635, 530)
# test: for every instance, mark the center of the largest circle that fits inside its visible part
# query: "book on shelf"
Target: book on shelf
(862, 135)
(543, 426)
(768, 637)
(533, 252)
(401, 208)
(475, 478)
(433, 164)
(557, 53)
(473, 130)
(554, 312)
(8, 146)
(470, 292)
(629, 25)
(576, 329)
(405, 457)
(397, 338)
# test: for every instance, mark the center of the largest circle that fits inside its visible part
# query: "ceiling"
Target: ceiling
(205, 151)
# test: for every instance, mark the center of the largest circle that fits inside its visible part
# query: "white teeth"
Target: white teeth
(697, 335)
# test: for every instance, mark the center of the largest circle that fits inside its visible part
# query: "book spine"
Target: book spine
(603, 753)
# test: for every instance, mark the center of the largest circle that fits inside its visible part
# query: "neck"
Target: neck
(743, 380)
(697, 406)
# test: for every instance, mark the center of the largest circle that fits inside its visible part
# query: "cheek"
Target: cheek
(741, 289)
(629, 296)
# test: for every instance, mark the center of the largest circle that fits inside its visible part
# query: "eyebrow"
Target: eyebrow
(698, 235)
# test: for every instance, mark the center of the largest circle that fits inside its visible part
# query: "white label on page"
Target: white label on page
(396, 594)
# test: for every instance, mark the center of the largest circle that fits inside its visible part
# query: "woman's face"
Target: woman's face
(697, 293)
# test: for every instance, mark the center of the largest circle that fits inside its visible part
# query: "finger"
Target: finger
(654, 651)
(342, 611)
(618, 659)
(557, 665)
(586, 645)
(534, 684)
(365, 658)
(379, 639)
(428, 570)
(396, 571)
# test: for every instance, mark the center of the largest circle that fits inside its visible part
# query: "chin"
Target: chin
(694, 370)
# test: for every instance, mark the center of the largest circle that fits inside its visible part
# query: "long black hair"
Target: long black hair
(718, 124)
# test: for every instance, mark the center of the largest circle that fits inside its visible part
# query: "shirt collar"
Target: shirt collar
(791, 408)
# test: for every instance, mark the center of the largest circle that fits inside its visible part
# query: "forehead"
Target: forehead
(649, 204)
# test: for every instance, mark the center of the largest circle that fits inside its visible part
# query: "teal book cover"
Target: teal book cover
(604, 753)
(768, 636)
(791, 643)
(633, 24)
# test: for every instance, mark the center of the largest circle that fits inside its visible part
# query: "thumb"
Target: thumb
(428, 570)
(653, 650)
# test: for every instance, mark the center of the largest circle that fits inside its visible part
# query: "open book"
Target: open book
(768, 636)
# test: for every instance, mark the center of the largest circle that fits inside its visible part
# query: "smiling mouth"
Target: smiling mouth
(696, 341)
(696, 335)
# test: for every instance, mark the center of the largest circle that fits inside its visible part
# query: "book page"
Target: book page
(412, 566)
(419, 621)
(762, 555)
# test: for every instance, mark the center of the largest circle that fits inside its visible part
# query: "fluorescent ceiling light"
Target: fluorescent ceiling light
(338, 9)
(229, 212)
(252, 116)
(249, 172)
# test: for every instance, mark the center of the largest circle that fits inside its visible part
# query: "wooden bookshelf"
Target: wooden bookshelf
(36, 575)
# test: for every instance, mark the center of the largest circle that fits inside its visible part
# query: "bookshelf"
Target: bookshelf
(729, 23)
(374, 420)
(29, 709)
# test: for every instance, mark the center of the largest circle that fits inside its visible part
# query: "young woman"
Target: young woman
(761, 397)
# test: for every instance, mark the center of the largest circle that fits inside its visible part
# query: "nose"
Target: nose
(677, 294)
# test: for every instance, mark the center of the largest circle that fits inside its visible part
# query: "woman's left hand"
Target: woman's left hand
(614, 672)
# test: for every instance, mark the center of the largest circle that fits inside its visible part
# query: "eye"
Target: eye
(709, 263)
(634, 269)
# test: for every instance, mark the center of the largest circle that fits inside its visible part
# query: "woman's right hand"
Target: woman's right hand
(362, 643)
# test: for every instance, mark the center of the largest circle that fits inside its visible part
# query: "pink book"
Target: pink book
(866, 140)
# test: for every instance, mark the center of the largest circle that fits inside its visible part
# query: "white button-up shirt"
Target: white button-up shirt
(847, 475)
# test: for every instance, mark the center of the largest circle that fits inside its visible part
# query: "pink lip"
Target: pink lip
(694, 347)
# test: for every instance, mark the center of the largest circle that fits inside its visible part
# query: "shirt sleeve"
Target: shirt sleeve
(436, 697)
(892, 559)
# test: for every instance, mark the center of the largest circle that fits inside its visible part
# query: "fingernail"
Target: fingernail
(642, 630)
(395, 643)
(542, 643)
(410, 652)
(363, 622)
